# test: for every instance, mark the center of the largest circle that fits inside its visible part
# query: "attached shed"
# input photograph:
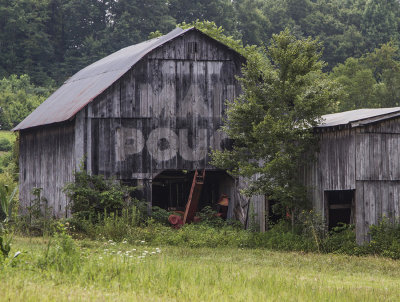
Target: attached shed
(356, 177)
(147, 115)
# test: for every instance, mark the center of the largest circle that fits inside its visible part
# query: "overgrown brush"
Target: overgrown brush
(6, 231)
(61, 252)
(93, 196)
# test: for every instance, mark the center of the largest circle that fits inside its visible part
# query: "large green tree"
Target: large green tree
(18, 98)
(284, 95)
(370, 81)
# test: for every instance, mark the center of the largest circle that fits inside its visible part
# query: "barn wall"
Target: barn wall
(366, 159)
(334, 167)
(378, 174)
(374, 200)
(46, 161)
(180, 103)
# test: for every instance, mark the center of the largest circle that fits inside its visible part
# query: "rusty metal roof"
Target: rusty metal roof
(85, 85)
(358, 117)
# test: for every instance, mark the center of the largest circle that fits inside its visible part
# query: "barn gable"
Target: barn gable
(88, 83)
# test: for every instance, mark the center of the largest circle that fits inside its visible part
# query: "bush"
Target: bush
(38, 221)
(93, 196)
(5, 144)
(385, 239)
(61, 253)
(342, 240)
(160, 215)
(209, 217)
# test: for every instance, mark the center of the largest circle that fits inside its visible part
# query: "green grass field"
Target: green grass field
(122, 272)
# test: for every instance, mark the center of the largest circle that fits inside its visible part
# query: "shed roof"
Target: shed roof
(358, 117)
(88, 83)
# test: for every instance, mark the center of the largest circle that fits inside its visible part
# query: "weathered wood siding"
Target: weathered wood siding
(334, 167)
(378, 174)
(165, 113)
(46, 161)
(365, 159)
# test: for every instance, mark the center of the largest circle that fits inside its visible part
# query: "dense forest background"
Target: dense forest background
(47, 41)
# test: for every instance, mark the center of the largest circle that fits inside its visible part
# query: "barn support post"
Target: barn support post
(148, 184)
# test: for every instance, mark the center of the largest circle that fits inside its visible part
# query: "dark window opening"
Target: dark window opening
(171, 189)
(340, 207)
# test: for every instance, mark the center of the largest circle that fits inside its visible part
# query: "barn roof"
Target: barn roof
(88, 83)
(358, 117)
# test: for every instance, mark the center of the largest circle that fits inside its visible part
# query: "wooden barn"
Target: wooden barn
(356, 178)
(147, 115)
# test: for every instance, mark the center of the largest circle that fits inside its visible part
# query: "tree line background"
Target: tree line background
(43, 42)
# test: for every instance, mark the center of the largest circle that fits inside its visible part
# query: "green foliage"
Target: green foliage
(39, 220)
(5, 144)
(385, 239)
(284, 95)
(93, 196)
(61, 253)
(342, 240)
(209, 217)
(218, 33)
(6, 232)
(370, 81)
(9, 161)
(160, 215)
(50, 40)
(109, 271)
(18, 98)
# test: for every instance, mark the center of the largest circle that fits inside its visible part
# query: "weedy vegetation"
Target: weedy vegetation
(65, 269)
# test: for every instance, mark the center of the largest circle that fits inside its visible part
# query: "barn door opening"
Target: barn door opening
(340, 207)
(171, 189)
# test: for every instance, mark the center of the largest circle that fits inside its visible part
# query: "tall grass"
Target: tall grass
(109, 271)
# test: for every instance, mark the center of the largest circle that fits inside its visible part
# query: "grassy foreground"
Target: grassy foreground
(111, 271)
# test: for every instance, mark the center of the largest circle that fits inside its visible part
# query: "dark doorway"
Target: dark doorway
(340, 207)
(171, 189)
(276, 211)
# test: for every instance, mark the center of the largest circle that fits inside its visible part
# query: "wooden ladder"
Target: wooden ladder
(194, 196)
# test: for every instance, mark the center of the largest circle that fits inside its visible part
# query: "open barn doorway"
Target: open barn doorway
(171, 189)
(340, 207)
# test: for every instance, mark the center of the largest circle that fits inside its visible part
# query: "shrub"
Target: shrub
(61, 253)
(160, 215)
(342, 240)
(5, 144)
(209, 217)
(385, 239)
(6, 232)
(92, 196)
(38, 221)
